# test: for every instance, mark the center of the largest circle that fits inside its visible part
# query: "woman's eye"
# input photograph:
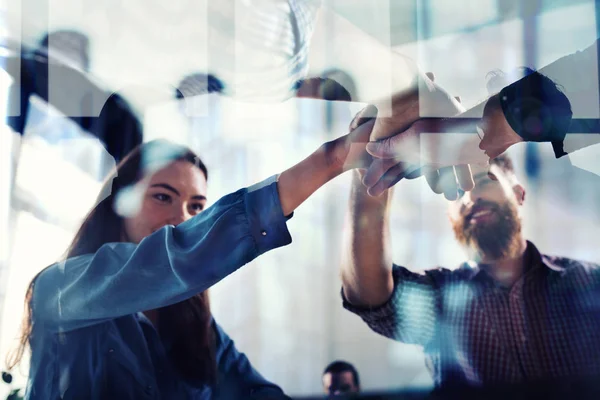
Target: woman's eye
(197, 207)
(163, 198)
(492, 176)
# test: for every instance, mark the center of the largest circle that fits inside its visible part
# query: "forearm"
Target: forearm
(367, 259)
(299, 182)
(124, 278)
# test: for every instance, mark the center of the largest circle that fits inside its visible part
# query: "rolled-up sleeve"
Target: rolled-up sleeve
(410, 315)
(169, 266)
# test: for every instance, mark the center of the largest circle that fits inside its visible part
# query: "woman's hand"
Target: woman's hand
(331, 159)
(349, 151)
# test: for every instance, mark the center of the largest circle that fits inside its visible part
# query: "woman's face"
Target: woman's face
(170, 196)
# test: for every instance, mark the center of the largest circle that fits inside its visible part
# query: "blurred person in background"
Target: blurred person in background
(322, 88)
(341, 378)
(508, 315)
(126, 314)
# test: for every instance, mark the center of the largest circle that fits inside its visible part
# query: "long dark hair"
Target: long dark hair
(187, 324)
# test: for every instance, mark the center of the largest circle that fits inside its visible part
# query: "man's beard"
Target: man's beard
(492, 240)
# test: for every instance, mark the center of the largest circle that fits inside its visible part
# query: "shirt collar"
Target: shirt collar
(537, 262)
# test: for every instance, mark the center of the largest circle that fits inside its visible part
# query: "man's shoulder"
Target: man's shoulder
(566, 264)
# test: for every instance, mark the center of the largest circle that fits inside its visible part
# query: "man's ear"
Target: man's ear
(519, 193)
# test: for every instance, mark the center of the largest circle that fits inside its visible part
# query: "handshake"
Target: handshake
(408, 143)
(428, 132)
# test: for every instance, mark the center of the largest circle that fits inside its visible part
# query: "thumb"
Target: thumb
(365, 115)
(383, 148)
(404, 146)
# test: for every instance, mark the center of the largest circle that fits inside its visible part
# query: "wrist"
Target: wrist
(330, 159)
(360, 197)
(299, 182)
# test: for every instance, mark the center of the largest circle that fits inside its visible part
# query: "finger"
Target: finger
(424, 171)
(387, 148)
(404, 144)
(464, 176)
(389, 179)
(404, 112)
(448, 184)
(368, 114)
(362, 132)
(433, 180)
(354, 123)
(413, 145)
(415, 173)
(363, 116)
(377, 170)
(393, 176)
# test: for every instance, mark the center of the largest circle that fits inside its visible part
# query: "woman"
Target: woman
(126, 314)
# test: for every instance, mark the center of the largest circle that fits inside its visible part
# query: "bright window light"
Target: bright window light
(49, 242)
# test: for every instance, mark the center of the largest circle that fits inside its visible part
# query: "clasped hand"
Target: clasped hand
(406, 145)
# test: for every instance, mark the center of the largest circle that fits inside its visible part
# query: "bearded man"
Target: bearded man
(509, 315)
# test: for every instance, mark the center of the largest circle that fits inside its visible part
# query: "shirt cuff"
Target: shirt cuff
(371, 315)
(267, 224)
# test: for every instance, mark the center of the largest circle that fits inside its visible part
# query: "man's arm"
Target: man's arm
(367, 266)
(393, 301)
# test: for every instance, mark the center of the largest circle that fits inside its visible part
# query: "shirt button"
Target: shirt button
(264, 233)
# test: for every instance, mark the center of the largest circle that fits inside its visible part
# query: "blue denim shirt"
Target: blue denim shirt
(90, 339)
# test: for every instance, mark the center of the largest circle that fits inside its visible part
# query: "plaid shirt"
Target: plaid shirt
(475, 332)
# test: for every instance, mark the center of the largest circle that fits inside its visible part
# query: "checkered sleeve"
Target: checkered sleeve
(410, 314)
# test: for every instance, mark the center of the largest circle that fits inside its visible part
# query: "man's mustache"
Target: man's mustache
(480, 205)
